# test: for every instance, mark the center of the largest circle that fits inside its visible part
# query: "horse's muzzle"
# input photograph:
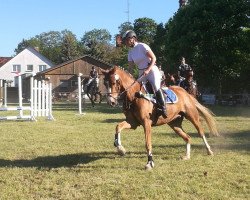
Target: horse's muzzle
(112, 101)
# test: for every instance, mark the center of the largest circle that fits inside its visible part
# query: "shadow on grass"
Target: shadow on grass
(69, 160)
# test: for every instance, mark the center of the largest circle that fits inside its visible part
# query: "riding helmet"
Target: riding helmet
(128, 34)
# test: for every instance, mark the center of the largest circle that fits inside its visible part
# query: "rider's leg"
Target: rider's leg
(161, 101)
(89, 81)
(154, 78)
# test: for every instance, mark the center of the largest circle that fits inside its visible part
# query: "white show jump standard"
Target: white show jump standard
(40, 101)
(80, 94)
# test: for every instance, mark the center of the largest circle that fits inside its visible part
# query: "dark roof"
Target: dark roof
(4, 60)
(70, 61)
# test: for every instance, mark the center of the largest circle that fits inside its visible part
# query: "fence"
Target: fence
(40, 101)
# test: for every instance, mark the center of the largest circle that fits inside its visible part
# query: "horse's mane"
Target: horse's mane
(127, 80)
(124, 70)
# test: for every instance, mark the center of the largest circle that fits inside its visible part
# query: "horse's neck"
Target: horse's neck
(189, 78)
(131, 86)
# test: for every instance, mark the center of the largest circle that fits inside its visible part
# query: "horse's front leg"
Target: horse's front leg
(123, 125)
(148, 139)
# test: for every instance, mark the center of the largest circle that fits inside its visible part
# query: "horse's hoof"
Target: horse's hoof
(150, 165)
(121, 150)
(185, 158)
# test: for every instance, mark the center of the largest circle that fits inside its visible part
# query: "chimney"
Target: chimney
(36, 48)
(182, 3)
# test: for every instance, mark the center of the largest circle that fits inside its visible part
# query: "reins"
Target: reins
(125, 90)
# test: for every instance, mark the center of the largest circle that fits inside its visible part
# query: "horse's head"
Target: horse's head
(171, 79)
(116, 81)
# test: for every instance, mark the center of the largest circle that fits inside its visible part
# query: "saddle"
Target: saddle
(170, 96)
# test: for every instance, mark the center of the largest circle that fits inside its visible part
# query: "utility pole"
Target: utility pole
(128, 10)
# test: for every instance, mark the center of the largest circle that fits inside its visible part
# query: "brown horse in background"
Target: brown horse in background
(189, 84)
(140, 111)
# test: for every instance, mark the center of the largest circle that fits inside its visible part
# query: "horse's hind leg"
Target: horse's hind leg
(176, 125)
(123, 125)
(195, 120)
(100, 96)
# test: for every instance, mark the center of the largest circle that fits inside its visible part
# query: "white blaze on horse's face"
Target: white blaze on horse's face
(112, 89)
(117, 77)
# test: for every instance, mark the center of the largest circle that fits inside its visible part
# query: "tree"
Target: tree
(124, 27)
(158, 46)
(49, 44)
(69, 46)
(96, 36)
(97, 43)
(145, 28)
(33, 42)
(209, 34)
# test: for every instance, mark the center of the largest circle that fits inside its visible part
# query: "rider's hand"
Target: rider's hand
(146, 72)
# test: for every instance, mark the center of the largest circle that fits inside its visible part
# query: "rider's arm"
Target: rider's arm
(152, 57)
(179, 73)
(163, 76)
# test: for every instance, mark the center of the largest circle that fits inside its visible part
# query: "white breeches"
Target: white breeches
(154, 77)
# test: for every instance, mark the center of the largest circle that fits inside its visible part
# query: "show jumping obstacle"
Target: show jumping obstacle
(80, 94)
(40, 101)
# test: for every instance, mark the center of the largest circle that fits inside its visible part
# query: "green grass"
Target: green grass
(73, 157)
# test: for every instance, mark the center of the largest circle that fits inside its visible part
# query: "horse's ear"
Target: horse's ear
(104, 71)
(118, 39)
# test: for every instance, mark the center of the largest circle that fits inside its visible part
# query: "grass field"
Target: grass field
(73, 157)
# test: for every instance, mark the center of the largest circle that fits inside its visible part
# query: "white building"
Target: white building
(26, 62)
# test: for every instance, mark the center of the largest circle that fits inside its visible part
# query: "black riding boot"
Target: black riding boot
(160, 99)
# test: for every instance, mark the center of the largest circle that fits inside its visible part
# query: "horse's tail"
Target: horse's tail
(208, 115)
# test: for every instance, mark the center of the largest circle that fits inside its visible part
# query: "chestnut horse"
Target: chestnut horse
(140, 111)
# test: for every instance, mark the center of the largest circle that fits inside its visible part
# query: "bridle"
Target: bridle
(120, 94)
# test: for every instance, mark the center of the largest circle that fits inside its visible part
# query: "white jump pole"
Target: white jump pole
(2, 90)
(80, 94)
(49, 97)
(32, 113)
(5, 94)
(20, 89)
(40, 101)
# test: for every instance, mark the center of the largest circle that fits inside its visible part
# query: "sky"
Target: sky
(24, 19)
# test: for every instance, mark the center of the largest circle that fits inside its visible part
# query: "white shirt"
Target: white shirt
(138, 55)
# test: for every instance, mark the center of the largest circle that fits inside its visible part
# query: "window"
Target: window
(42, 67)
(29, 68)
(64, 83)
(16, 68)
(74, 83)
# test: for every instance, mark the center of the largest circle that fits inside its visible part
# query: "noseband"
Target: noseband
(118, 85)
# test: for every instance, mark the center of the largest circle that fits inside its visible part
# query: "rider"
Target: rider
(92, 76)
(182, 70)
(163, 77)
(140, 54)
